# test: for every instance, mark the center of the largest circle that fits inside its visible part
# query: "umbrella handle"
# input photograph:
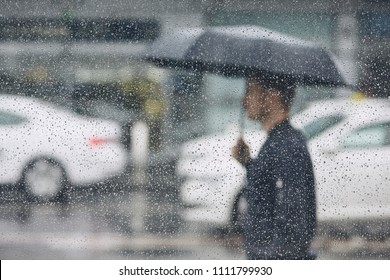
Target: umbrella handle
(241, 122)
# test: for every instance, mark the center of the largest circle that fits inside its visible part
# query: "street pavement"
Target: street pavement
(135, 224)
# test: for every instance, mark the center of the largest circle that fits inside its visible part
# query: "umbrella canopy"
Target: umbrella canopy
(240, 50)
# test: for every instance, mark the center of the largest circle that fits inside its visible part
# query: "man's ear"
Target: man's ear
(275, 98)
(273, 94)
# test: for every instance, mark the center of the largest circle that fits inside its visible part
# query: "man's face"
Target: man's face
(256, 100)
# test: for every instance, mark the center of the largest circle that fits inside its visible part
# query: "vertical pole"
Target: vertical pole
(347, 45)
(140, 154)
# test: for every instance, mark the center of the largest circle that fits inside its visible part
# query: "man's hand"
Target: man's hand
(241, 152)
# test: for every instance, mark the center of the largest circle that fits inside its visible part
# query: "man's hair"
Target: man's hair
(284, 85)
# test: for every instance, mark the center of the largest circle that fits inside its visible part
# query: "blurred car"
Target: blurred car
(45, 148)
(349, 141)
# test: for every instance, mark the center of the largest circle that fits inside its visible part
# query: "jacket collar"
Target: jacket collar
(279, 127)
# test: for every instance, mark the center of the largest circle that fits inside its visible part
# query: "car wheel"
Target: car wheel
(44, 180)
(238, 214)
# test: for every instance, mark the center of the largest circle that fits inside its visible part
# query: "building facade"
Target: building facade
(87, 50)
(357, 31)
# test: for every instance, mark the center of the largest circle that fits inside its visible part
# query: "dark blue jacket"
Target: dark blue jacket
(281, 217)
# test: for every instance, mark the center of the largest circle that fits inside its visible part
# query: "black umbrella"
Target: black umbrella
(240, 50)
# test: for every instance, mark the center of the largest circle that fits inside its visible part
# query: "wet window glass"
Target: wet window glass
(107, 153)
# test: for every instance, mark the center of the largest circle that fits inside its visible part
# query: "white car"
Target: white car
(349, 141)
(45, 149)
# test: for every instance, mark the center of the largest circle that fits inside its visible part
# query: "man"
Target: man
(281, 216)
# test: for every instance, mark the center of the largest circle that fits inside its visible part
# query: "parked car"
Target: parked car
(349, 141)
(45, 148)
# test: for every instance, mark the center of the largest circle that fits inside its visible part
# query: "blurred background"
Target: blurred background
(104, 156)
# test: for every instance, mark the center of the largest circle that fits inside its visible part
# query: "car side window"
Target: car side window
(321, 124)
(7, 118)
(370, 136)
